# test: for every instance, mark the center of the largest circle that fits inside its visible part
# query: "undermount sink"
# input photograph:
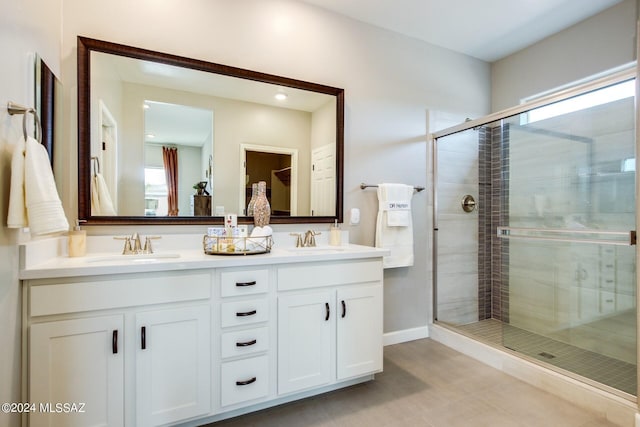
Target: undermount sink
(316, 250)
(133, 258)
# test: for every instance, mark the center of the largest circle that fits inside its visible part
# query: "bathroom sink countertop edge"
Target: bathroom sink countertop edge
(105, 263)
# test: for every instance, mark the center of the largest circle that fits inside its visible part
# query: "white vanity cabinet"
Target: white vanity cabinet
(87, 335)
(329, 323)
(196, 339)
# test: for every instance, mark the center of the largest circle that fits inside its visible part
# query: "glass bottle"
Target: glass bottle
(252, 201)
(261, 208)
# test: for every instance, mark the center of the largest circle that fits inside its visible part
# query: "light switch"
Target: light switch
(354, 218)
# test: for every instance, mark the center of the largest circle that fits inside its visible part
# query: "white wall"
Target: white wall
(26, 27)
(602, 42)
(390, 81)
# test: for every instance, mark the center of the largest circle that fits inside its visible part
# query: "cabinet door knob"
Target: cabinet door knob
(143, 338)
(246, 343)
(344, 309)
(327, 311)
(247, 382)
(246, 313)
(240, 284)
(114, 342)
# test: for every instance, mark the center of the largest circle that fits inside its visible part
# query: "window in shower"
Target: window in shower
(588, 100)
(544, 265)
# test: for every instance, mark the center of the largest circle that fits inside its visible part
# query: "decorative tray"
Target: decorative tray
(217, 245)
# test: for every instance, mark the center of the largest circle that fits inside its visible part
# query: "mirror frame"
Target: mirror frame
(88, 45)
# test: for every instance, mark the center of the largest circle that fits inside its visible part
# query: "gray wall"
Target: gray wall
(390, 81)
(26, 28)
(602, 42)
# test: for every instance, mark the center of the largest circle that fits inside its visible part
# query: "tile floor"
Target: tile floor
(558, 352)
(425, 383)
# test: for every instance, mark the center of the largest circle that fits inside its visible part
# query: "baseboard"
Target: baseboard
(405, 335)
(619, 411)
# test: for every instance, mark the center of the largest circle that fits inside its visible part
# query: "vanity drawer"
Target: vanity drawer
(313, 275)
(245, 342)
(244, 380)
(244, 312)
(244, 282)
(125, 292)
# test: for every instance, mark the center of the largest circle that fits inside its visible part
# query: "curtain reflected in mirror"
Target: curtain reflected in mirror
(170, 158)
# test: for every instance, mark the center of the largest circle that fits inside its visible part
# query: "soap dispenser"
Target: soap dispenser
(77, 240)
(335, 235)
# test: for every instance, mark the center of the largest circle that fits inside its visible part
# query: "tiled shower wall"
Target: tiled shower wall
(493, 204)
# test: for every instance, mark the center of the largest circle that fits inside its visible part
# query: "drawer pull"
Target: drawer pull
(114, 342)
(241, 284)
(143, 338)
(327, 311)
(247, 313)
(246, 343)
(344, 309)
(247, 382)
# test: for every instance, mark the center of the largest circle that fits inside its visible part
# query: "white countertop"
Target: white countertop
(47, 258)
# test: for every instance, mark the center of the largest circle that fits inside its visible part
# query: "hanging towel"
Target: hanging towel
(101, 203)
(394, 229)
(33, 198)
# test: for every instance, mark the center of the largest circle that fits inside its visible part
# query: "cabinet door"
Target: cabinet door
(77, 362)
(305, 340)
(359, 339)
(173, 374)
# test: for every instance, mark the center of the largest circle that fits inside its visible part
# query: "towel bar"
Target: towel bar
(14, 108)
(363, 186)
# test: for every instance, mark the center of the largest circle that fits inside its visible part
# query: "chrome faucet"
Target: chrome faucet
(310, 238)
(137, 246)
(133, 245)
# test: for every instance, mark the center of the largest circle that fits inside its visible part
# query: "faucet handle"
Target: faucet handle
(298, 237)
(128, 250)
(148, 249)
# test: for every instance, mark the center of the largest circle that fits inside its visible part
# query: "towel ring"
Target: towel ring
(19, 109)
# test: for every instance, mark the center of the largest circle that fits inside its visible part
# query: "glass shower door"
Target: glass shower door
(565, 239)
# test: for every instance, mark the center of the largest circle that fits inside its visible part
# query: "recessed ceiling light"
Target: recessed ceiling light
(281, 96)
(150, 136)
(145, 106)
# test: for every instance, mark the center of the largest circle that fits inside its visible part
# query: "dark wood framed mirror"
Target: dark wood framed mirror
(132, 102)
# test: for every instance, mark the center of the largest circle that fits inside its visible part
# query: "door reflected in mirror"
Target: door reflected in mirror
(227, 132)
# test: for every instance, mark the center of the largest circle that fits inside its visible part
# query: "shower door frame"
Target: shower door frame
(626, 72)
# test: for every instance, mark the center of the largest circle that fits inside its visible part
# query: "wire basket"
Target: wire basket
(219, 245)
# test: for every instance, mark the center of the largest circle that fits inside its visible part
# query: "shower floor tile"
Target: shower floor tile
(597, 367)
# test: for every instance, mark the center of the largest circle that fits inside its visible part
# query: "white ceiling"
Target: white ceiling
(485, 29)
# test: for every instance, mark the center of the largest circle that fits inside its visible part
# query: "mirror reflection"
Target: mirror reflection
(169, 141)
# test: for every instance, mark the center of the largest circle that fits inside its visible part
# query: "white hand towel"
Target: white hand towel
(394, 229)
(101, 203)
(33, 187)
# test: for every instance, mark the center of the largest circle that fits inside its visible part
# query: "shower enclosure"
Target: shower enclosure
(534, 241)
